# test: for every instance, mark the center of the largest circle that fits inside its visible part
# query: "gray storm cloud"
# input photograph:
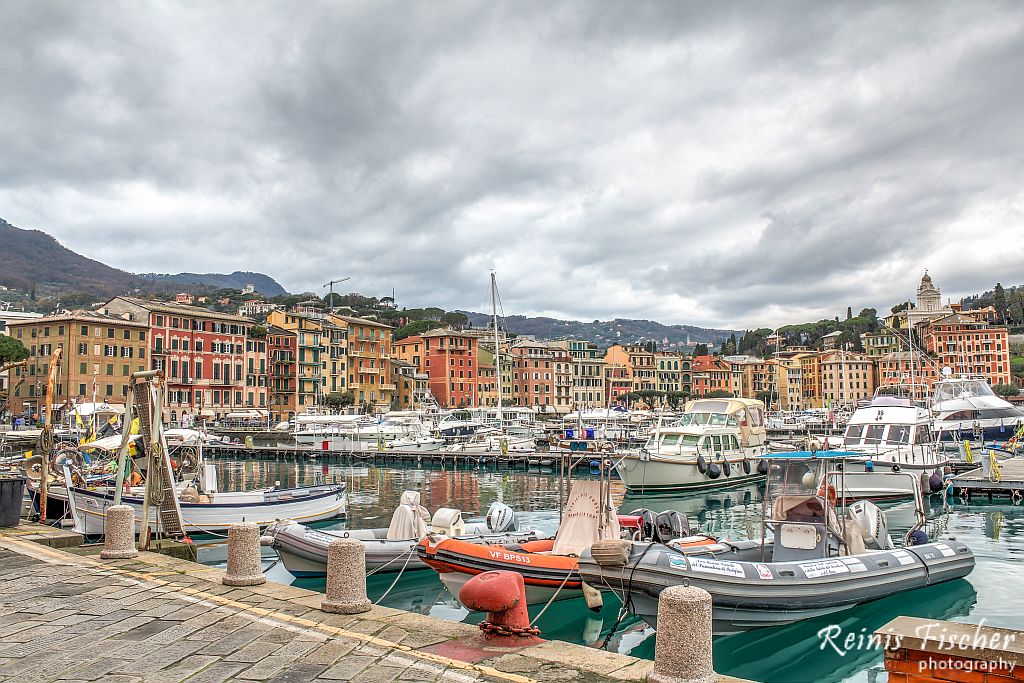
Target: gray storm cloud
(721, 164)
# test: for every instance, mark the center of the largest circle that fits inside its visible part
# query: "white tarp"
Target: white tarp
(581, 519)
(410, 518)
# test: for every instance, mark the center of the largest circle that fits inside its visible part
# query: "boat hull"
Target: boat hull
(750, 594)
(659, 474)
(303, 551)
(545, 576)
(319, 504)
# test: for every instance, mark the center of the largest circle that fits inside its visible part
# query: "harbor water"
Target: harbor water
(800, 652)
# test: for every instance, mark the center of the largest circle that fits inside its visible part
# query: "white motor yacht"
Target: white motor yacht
(717, 442)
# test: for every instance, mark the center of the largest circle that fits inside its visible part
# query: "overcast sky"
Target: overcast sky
(703, 163)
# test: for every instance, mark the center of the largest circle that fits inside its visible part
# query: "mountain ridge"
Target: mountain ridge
(35, 262)
(605, 333)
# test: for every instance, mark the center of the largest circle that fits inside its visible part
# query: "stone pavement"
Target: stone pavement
(76, 618)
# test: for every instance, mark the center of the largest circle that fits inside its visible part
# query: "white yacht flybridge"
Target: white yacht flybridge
(965, 407)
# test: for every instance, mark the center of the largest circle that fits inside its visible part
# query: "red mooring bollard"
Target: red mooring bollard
(503, 596)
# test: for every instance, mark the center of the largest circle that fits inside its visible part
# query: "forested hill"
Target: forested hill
(37, 265)
(606, 333)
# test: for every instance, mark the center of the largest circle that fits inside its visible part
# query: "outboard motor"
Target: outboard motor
(648, 523)
(501, 518)
(669, 525)
(872, 524)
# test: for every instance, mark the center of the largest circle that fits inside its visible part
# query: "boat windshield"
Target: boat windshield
(712, 419)
(793, 478)
(672, 440)
(961, 388)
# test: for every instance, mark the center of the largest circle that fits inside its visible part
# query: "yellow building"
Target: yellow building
(411, 390)
(100, 353)
(310, 355)
(847, 377)
(369, 360)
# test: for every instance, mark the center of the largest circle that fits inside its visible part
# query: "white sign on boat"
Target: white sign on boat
(700, 564)
(814, 570)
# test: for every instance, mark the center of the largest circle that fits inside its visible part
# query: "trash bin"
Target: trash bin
(11, 491)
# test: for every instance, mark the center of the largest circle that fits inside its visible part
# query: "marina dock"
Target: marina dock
(1009, 482)
(73, 616)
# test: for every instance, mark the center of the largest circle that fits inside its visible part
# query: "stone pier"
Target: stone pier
(72, 616)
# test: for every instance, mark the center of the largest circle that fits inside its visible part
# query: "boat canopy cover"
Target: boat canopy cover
(581, 525)
(812, 455)
(410, 518)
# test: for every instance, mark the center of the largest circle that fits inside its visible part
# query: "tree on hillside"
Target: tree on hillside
(416, 327)
(1005, 390)
(718, 393)
(999, 302)
(455, 319)
(433, 313)
(337, 400)
(11, 350)
(849, 312)
(1016, 308)
(700, 350)
(899, 308)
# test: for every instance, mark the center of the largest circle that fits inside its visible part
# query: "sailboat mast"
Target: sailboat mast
(497, 345)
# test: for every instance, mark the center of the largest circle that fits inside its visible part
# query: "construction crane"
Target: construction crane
(331, 295)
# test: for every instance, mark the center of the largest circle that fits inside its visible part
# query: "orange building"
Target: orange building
(711, 374)
(969, 346)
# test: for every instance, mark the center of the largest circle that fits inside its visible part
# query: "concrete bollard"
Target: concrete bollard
(119, 533)
(682, 647)
(346, 578)
(244, 564)
(502, 595)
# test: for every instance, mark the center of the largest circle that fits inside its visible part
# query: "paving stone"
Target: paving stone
(348, 668)
(298, 673)
(253, 652)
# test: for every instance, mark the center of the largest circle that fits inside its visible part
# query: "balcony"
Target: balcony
(388, 387)
(369, 371)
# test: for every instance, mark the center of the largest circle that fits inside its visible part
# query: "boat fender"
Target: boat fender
(918, 537)
(935, 482)
(714, 471)
(612, 552)
(762, 467)
(830, 490)
(726, 468)
(593, 597)
(869, 466)
(702, 464)
(746, 466)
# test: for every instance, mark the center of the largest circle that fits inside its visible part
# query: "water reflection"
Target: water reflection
(791, 653)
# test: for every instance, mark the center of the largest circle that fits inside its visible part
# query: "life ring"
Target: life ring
(34, 467)
(895, 468)
(746, 466)
(831, 492)
(726, 468)
(702, 464)
(607, 448)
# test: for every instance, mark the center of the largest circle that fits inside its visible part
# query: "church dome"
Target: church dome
(927, 279)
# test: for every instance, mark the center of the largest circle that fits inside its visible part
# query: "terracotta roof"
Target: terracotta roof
(78, 316)
(175, 308)
(359, 321)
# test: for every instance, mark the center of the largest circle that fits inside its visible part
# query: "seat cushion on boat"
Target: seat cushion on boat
(582, 519)
(802, 508)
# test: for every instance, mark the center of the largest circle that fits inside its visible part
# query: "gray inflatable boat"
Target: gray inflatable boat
(303, 550)
(810, 561)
